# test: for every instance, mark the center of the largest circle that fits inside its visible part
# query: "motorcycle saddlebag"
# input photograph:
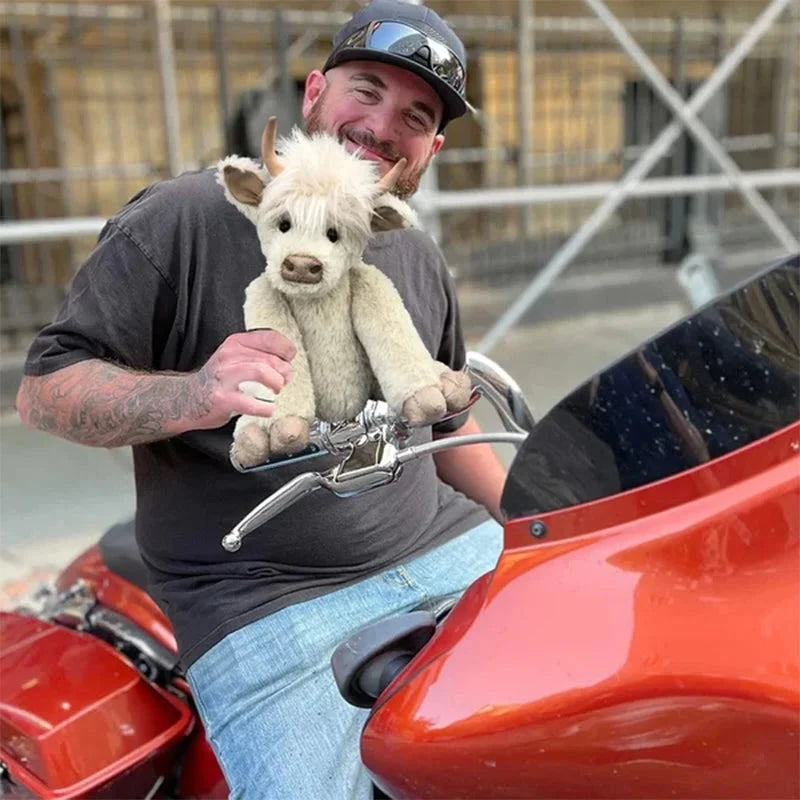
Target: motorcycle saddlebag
(77, 719)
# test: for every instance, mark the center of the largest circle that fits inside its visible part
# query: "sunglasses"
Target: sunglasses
(402, 40)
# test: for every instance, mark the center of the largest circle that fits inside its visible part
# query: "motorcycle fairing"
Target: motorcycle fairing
(658, 656)
(75, 715)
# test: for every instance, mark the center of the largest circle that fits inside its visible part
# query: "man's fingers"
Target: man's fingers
(244, 404)
(254, 371)
(267, 341)
(284, 367)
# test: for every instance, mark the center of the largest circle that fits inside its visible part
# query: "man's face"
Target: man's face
(385, 111)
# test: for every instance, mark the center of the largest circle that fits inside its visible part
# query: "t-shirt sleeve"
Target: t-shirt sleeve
(119, 308)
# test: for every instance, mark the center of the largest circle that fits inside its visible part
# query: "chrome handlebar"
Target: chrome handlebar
(340, 438)
(384, 435)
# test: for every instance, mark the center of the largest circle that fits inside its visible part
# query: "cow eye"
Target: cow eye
(284, 225)
(332, 234)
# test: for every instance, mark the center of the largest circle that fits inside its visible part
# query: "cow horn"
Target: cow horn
(387, 182)
(268, 154)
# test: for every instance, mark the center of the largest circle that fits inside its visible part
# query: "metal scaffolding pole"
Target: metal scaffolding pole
(525, 101)
(471, 199)
(218, 24)
(567, 252)
(40, 230)
(169, 91)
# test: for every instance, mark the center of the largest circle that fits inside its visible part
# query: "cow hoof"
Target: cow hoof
(288, 435)
(250, 446)
(456, 388)
(425, 406)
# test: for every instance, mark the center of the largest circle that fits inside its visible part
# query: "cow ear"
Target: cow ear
(391, 214)
(244, 185)
(243, 182)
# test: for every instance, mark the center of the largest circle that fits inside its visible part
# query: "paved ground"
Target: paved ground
(56, 498)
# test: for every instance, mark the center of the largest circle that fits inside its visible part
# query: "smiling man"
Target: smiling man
(148, 351)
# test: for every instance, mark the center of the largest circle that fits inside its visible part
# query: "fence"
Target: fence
(97, 101)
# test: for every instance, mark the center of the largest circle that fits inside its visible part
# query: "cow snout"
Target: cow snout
(301, 269)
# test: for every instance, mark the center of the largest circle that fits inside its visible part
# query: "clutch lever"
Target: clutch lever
(339, 480)
(288, 494)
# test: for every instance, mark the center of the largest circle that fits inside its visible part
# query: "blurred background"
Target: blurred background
(560, 267)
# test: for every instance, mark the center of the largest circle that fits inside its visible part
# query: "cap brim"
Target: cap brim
(454, 105)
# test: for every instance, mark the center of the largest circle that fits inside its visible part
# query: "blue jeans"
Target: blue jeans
(266, 694)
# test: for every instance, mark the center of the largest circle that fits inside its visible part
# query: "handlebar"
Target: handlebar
(339, 438)
(377, 427)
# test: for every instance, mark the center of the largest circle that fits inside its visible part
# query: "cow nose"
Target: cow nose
(301, 269)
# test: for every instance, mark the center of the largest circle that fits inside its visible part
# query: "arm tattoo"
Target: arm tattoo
(102, 405)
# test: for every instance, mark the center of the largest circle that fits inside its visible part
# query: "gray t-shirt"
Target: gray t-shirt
(161, 291)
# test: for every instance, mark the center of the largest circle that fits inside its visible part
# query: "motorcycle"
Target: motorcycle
(638, 637)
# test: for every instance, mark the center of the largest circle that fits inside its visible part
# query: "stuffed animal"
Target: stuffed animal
(314, 208)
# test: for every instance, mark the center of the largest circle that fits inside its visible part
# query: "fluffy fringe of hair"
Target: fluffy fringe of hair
(325, 183)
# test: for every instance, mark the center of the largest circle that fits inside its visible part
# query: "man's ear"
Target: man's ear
(391, 214)
(243, 182)
(315, 86)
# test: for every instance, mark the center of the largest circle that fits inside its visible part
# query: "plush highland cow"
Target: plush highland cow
(314, 208)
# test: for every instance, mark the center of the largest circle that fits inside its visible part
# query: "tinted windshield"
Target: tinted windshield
(720, 379)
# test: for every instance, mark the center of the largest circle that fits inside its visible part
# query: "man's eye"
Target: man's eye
(367, 94)
(284, 225)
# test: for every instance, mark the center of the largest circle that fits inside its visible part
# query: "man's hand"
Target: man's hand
(263, 356)
(100, 404)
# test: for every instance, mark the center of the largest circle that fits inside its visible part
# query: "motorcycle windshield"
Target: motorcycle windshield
(718, 380)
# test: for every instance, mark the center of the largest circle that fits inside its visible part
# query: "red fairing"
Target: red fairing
(657, 654)
(75, 715)
(116, 593)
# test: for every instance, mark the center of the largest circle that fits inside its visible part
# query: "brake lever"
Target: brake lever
(340, 480)
(288, 494)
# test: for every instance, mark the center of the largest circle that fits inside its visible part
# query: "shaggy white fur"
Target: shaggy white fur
(354, 337)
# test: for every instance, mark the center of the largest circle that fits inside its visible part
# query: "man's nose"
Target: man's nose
(383, 126)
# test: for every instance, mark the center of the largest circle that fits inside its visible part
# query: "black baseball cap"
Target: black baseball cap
(412, 37)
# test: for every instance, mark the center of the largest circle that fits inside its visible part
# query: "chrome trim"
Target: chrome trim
(502, 391)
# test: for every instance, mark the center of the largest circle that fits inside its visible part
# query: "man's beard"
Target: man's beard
(406, 184)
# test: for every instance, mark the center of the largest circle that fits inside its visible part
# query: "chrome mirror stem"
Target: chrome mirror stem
(502, 391)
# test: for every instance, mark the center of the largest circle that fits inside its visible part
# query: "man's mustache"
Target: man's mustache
(366, 139)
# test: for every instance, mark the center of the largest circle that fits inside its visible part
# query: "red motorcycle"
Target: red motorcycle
(639, 636)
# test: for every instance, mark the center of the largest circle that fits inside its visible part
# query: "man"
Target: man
(147, 351)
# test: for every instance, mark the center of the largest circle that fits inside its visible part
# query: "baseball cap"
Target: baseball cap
(412, 37)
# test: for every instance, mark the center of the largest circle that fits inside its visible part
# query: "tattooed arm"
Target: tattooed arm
(100, 404)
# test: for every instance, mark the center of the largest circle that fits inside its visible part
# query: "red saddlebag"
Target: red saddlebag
(77, 720)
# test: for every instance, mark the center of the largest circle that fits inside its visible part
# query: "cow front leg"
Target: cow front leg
(256, 439)
(408, 376)
(251, 441)
(295, 408)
